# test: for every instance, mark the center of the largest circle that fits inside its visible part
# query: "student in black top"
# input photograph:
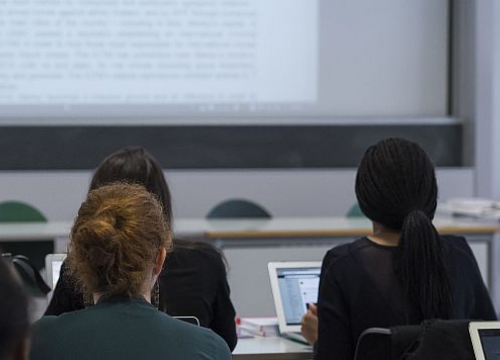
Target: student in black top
(403, 273)
(14, 320)
(193, 281)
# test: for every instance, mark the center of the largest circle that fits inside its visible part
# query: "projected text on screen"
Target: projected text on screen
(158, 52)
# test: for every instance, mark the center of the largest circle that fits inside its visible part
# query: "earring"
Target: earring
(156, 295)
(88, 299)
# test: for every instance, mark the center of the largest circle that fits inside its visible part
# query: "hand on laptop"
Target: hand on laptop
(309, 324)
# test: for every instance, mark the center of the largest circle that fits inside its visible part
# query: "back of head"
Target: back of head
(134, 165)
(14, 320)
(115, 239)
(394, 178)
(396, 187)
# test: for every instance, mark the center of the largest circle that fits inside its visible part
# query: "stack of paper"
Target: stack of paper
(261, 326)
(475, 207)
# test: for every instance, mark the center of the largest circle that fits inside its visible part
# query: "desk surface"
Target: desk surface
(250, 228)
(314, 227)
(275, 348)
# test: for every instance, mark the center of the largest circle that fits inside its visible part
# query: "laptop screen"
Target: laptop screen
(294, 285)
(490, 339)
(53, 263)
(485, 338)
(56, 270)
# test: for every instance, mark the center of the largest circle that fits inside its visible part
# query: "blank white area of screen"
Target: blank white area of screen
(384, 58)
(318, 61)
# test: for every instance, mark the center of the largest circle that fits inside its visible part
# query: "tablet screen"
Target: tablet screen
(490, 339)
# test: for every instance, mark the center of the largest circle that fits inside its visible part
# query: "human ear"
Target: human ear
(160, 259)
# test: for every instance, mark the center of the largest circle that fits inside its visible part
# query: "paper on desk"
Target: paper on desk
(474, 207)
(262, 326)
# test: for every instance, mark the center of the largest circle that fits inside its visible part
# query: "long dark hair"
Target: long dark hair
(135, 165)
(396, 187)
(14, 323)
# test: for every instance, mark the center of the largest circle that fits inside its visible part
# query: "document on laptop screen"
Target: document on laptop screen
(298, 287)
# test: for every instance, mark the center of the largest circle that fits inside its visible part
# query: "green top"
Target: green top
(123, 328)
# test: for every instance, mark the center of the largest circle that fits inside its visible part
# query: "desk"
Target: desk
(33, 231)
(271, 348)
(249, 228)
(250, 244)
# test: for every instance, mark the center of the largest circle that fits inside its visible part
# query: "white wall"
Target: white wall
(284, 193)
(487, 98)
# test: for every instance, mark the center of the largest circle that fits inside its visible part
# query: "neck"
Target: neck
(383, 235)
(145, 293)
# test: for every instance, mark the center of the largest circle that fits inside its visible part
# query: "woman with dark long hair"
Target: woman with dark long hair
(14, 317)
(405, 272)
(193, 281)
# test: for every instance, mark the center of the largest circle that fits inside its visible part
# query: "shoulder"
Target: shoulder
(44, 335)
(44, 322)
(341, 259)
(56, 323)
(457, 245)
(344, 252)
(197, 255)
(198, 250)
(198, 337)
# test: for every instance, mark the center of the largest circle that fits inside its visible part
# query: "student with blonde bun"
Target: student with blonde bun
(118, 243)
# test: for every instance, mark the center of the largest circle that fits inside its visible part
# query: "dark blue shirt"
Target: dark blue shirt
(123, 329)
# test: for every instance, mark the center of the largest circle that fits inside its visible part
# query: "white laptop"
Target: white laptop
(485, 338)
(293, 285)
(53, 263)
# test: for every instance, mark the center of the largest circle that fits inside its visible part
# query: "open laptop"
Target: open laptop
(53, 263)
(294, 284)
(485, 338)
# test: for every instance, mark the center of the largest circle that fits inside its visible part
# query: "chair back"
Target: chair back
(193, 320)
(30, 275)
(238, 208)
(16, 211)
(432, 339)
(374, 344)
(443, 340)
(355, 212)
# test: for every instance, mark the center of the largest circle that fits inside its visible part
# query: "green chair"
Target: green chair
(238, 208)
(355, 211)
(15, 211)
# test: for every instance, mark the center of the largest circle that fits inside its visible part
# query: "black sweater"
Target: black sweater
(193, 283)
(359, 290)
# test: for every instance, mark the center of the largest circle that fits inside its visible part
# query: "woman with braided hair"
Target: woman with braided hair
(405, 272)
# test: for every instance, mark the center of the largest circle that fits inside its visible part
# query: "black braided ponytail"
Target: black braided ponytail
(396, 187)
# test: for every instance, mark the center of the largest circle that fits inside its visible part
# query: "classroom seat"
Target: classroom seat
(355, 211)
(16, 211)
(238, 208)
(433, 339)
(30, 276)
(374, 344)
